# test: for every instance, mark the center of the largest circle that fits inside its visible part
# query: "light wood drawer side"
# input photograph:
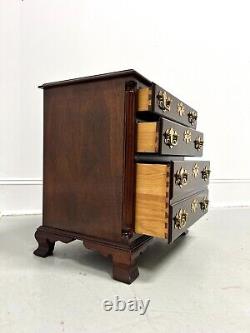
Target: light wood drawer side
(147, 137)
(152, 199)
(144, 99)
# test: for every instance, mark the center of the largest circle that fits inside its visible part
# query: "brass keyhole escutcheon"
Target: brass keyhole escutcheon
(181, 109)
(171, 137)
(194, 205)
(187, 137)
(195, 170)
(180, 219)
(181, 177)
(164, 100)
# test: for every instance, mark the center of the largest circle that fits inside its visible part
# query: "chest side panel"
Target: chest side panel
(84, 157)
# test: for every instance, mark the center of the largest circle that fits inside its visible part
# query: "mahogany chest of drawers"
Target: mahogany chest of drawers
(114, 168)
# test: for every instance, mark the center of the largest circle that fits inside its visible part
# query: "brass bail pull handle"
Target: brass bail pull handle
(164, 101)
(171, 137)
(205, 173)
(192, 117)
(198, 143)
(180, 219)
(204, 204)
(181, 177)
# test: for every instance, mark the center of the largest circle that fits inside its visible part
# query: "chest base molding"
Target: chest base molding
(124, 255)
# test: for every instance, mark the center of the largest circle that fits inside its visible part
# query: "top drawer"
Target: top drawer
(159, 101)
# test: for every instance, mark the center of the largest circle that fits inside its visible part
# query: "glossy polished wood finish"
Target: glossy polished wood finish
(195, 180)
(193, 215)
(123, 256)
(125, 74)
(83, 182)
(89, 169)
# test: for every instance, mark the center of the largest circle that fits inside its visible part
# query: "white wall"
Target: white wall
(197, 50)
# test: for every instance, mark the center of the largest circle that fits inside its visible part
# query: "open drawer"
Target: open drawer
(157, 213)
(168, 138)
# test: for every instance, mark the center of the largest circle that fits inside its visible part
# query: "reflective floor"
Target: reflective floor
(199, 284)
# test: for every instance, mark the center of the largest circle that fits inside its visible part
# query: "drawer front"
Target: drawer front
(154, 211)
(159, 101)
(168, 138)
(186, 212)
(187, 177)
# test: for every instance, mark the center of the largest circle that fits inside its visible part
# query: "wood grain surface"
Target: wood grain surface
(84, 158)
(143, 99)
(152, 191)
(147, 137)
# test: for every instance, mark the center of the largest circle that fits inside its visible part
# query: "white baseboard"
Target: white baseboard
(20, 196)
(229, 193)
(24, 196)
